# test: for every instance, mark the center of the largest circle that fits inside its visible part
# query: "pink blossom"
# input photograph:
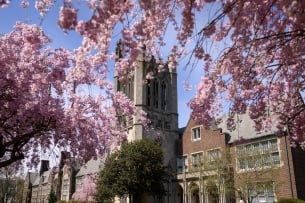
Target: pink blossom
(4, 3)
(87, 189)
(259, 68)
(67, 18)
(24, 3)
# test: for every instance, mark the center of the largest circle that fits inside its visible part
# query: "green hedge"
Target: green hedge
(287, 200)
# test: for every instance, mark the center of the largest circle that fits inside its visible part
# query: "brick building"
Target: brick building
(211, 165)
(217, 165)
(199, 147)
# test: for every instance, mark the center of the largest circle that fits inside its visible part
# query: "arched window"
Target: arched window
(130, 90)
(119, 85)
(156, 94)
(163, 96)
(148, 93)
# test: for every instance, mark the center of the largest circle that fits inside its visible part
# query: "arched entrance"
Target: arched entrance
(180, 195)
(212, 192)
(194, 193)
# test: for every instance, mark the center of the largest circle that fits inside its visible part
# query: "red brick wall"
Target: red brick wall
(285, 188)
(289, 181)
(210, 139)
(298, 156)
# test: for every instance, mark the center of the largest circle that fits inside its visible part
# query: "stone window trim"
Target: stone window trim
(264, 193)
(196, 133)
(213, 154)
(182, 163)
(265, 154)
(197, 159)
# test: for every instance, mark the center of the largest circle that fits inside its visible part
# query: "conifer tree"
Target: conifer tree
(136, 169)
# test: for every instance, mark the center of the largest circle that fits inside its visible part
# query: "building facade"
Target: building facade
(157, 96)
(27, 187)
(60, 180)
(199, 170)
(212, 165)
(85, 178)
(42, 183)
(218, 165)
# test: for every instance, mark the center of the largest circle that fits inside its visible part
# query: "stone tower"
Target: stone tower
(158, 98)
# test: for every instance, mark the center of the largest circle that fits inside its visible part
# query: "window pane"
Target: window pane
(213, 154)
(242, 164)
(275, 158)
(261, 199)
(271, 199)
(196, 133)
(196, 159)
(181, 164)
(264, 146)
(273, 145)
(259, 154)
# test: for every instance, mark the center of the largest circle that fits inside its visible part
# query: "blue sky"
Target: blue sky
(14, 13)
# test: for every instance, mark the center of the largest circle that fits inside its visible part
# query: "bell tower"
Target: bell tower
(157, 97)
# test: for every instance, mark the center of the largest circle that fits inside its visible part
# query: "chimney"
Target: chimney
(44, 166)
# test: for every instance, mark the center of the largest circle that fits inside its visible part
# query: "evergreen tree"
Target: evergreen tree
(52, 197)
(134, 170)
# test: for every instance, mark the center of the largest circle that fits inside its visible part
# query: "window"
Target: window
(148, 93)
(197, 160)
(242, 164)
(79, 182)
(163, 96)
(130, 90)
(65, 185)
(273, 145)
(212, 159)
(44, 189)
(35, 191)
(213, 155)
(262, 192)
(159, 124)
(182, 164)
(196, 134)
(275, 158)
(258, 154)
(64, 197)
(156, 94)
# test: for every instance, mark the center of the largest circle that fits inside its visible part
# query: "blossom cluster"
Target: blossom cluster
(261, 71)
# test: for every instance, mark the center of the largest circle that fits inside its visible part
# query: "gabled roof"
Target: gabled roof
(245, 128)
(33, 177)
(91, 167)
(44, 176)
(36, 181)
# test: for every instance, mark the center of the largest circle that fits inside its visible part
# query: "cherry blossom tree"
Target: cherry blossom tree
(87, 190)
(44, 102)
(260, 70)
